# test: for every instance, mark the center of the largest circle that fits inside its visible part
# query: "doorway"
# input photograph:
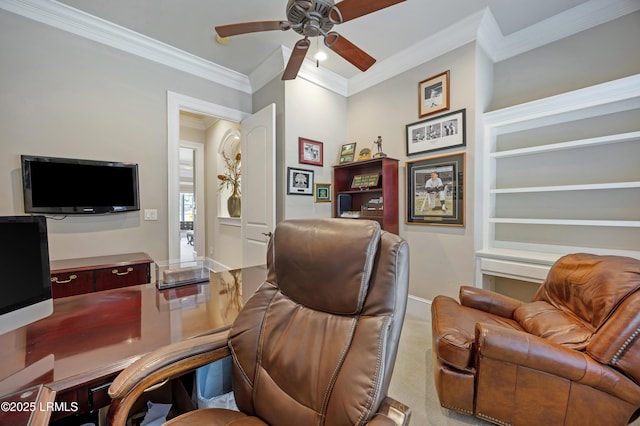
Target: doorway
(253, 229)
(177, 104)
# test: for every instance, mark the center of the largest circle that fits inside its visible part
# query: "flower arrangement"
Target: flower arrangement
(231, 176)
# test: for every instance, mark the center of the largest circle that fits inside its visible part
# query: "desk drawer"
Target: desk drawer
(122, 276)
(71, 283)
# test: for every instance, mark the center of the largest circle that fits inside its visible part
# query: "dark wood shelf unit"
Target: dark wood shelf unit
(387, 187)
(70, 277)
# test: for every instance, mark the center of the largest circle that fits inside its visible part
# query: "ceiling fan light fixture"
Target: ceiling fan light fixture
(314, 18)
(321, 56)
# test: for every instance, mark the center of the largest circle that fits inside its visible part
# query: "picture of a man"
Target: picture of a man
(435, 188)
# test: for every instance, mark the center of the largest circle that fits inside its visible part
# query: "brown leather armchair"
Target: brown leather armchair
(569, 357)
(315, 345)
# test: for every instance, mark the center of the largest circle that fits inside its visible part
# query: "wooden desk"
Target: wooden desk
(71, 277)
(90, 338)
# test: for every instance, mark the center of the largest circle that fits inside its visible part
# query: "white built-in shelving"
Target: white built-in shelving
(559, 175)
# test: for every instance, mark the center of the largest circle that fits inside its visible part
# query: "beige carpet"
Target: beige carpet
(412, 381)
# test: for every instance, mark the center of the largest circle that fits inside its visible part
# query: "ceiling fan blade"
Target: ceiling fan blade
(351, 9)
(296, 59)
(251, 27)
(349, 51)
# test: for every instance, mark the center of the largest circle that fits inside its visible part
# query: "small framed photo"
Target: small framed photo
(322, 193)
(347, 153)
(310, 152)
(433, 94)
(441, 132)
(299, 181)
(435, 189)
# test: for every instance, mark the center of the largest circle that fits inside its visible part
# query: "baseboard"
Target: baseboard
(418, 308)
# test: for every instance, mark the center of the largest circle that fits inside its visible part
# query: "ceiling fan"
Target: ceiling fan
(313, 18)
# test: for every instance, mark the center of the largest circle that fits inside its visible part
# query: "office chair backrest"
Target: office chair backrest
(316, 344)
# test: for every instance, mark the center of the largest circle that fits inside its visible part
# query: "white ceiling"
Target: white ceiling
(188, 25)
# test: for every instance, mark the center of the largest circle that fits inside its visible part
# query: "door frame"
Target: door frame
(177, 102)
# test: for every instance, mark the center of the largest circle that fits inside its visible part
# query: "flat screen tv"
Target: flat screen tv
(25, 287)
(73, 186)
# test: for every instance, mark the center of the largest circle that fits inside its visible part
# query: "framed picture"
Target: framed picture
(347, 152)
(299, 181)
(435, 189)
(310, 152)
(441, 132)
(433, 94)
(322, 193)
(365, 181)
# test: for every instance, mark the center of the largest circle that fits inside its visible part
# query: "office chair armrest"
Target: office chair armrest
(488, 301)
(161, 365)
(391, 413)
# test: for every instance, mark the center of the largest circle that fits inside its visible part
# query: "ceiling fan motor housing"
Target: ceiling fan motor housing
(310, 18)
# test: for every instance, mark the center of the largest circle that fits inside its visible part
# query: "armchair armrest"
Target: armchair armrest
(161, 365)
(488, 301)
(527, 350)
(391, 413)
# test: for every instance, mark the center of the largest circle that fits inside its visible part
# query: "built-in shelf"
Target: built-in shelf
(560, 188)
(556, 176)
(568, 222)
(602, 140)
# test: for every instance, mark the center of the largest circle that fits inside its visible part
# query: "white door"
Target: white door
(258, 184)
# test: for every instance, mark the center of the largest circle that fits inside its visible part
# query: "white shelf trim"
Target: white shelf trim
(601, 140)
(571, 222)
(560, 188)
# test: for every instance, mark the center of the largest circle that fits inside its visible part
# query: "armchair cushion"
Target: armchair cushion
(544, 320)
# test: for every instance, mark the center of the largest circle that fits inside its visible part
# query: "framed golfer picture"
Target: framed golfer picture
(435, 189)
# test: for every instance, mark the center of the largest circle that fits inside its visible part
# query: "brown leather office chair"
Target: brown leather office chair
(570, 357)
(317, 342)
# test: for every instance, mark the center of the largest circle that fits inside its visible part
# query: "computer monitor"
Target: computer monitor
(25, 282)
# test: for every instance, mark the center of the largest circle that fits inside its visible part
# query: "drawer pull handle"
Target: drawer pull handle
(115, 272)
(55, 280)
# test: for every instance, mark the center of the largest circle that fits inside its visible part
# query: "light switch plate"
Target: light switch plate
(150, 214)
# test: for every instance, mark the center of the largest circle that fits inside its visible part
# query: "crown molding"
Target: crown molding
(483, 28)
(570, 22)
(480, 27)
(455, 36)
(66, 18)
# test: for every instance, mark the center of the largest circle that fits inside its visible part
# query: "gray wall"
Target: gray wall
(603, 53)
(63, 95)
(441, 257)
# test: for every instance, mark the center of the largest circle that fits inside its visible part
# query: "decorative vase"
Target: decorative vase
(233, 203)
